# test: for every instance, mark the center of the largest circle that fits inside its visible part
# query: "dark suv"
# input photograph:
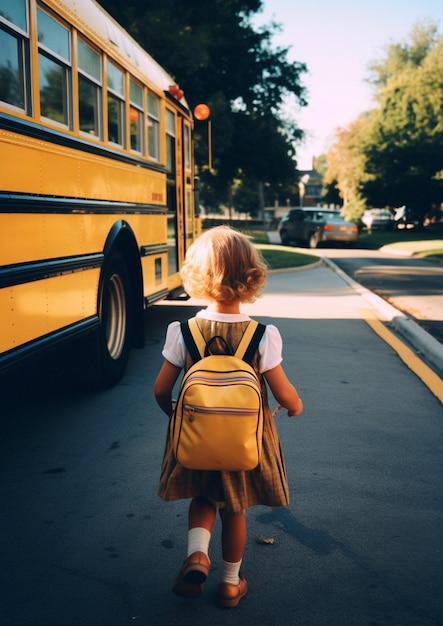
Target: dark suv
(312, 226)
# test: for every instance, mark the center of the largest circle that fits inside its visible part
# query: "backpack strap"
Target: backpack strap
(195, 342)
(248, 345)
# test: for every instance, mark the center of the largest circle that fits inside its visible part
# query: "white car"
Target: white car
(377, 219)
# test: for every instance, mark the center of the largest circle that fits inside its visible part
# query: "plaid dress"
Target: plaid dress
(265, 485)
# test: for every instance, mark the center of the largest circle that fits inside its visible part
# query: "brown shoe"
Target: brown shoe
(194, 572)
(229, 595)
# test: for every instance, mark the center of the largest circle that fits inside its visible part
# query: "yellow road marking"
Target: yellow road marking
(415, 364)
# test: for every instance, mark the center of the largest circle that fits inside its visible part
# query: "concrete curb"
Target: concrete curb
(407, 253)
(426, 345)
(396, 251)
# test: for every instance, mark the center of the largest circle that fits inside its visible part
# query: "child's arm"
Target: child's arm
(164, 385)
(283, 391)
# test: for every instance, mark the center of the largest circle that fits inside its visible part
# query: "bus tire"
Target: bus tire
(115, 313)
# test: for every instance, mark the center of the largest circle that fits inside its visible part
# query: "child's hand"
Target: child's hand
(290, 413)
(298, 410)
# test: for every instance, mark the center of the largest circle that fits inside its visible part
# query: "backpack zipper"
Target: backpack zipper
(191, 409)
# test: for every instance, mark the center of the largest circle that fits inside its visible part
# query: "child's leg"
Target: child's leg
(234, 534)
(195, 569)
(201, 518)
(233, 586)
(202, 513)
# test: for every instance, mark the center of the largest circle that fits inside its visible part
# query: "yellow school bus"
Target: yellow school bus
(96, 182)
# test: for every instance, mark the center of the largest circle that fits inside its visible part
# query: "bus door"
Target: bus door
(172, 191)
(179, 189)
(188, 187)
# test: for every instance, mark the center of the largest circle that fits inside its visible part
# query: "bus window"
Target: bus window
(116, 105)
(14, 47)
(15, 12)
(89, 90)
(54, 68)
(170, 142)
(136, 116)
(153, 127)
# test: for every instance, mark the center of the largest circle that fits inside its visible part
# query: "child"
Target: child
(223, 267)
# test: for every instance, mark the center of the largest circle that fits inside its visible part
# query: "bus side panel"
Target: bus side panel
(27, 238)
(36, 309)
(33, 166)
(84, 208)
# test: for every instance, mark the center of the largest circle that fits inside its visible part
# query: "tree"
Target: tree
(218, 58)
(330, 192)
(404, 157)
(400, 56)
(393, 154)
(265, 158)
(346, 161)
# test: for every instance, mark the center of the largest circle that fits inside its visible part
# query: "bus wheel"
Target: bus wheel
(114, 321)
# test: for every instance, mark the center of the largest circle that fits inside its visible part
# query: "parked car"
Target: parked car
(381, 219)
(407, 217)
(312, 226)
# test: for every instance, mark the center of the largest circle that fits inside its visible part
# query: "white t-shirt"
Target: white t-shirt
(269, 349)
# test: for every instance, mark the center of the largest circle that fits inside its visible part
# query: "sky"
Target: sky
(337, 39)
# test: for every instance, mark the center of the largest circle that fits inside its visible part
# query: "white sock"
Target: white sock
(230, 572)
(198, 540)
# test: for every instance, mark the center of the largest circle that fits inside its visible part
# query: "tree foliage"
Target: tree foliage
(393, 154)
(404, 55)
(217, 57)
(346, 163)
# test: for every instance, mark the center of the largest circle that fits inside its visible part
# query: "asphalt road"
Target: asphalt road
(413, 285)
(86, 541)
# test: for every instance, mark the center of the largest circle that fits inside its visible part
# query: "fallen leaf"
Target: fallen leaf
(265, 540)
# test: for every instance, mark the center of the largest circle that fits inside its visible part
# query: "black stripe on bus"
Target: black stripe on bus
(155, 297)
(31, 129)
(27, 203)
(150, 250)
(15, 356)
(22, 273)
(177, 102)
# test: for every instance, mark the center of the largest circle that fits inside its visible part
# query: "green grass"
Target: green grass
(258, 236)
(376, 239)
(279, 257)
(426, 242)
(434, 253)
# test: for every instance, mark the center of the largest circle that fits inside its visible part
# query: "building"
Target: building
(310, 184)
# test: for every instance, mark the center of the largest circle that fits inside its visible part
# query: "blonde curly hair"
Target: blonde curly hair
(222, 265)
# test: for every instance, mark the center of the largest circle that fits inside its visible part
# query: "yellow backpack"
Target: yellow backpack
(218, 419)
